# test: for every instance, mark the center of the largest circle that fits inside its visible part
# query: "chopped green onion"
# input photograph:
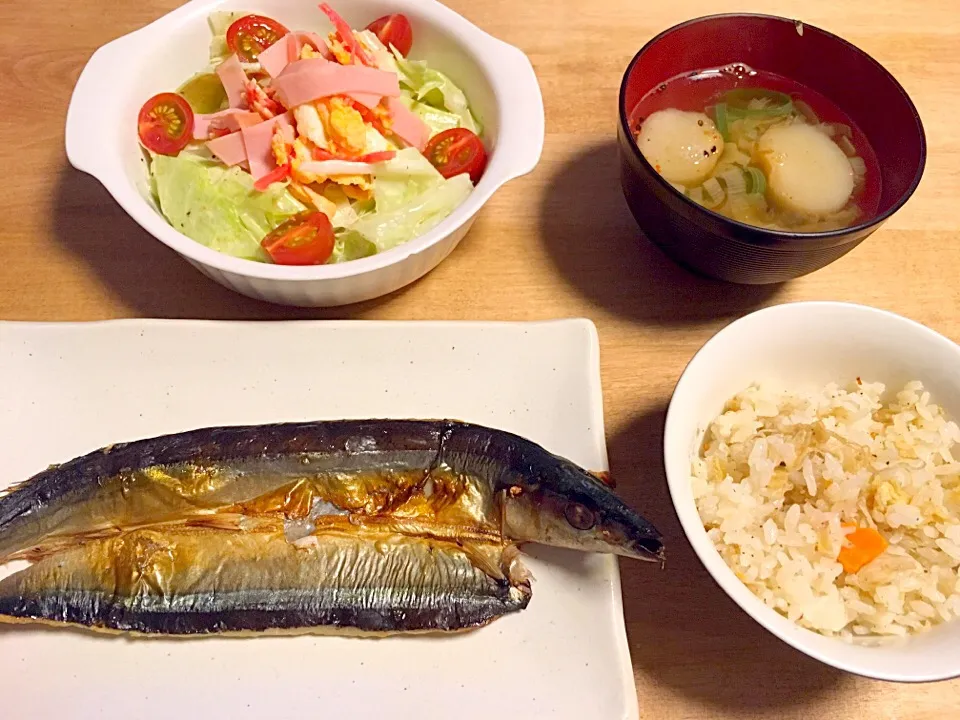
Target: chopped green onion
(757, 101)
(720, 120)
(756, 181)
(713, 192)
(734, 182)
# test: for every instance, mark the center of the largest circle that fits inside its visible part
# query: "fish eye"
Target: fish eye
(580, 517)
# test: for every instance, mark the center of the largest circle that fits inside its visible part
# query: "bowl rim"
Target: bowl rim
(769, 233)
(506, 68)
(706, 552)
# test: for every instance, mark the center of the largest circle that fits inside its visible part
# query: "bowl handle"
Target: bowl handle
(522, 119)
(93, 110)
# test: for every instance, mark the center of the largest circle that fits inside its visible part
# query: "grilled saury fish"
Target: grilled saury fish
(378, 526)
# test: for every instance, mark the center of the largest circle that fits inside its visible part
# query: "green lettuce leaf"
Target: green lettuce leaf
(219, 22)
(432, 88)
(217, 206)
(402, 222)
(403, 177)
(350, 245)
(436, 119)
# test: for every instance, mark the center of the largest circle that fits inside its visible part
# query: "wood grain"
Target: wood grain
(558, 243)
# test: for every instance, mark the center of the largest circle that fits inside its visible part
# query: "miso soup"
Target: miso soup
(759, 148)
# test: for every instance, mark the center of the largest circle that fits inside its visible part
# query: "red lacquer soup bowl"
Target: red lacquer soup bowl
(713, 245)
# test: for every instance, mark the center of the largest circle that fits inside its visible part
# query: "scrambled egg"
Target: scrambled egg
(886, 494)
(333, 125)
(310, 196)
(347, 128)
(278, 143)
(307, 52)
(342, 55)
(309, 125)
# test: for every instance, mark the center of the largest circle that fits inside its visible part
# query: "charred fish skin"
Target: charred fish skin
(546, 497)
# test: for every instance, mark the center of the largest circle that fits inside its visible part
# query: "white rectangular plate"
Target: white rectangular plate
(72, 388)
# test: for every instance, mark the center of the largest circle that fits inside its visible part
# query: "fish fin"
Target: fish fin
(517, 572)
(480, 556)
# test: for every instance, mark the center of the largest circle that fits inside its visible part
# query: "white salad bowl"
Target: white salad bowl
(101, 136)
(803, 344)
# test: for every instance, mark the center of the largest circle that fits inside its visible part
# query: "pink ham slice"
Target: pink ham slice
(407, 125)
(315, 41)
(231, 119)
(366, 99)
(257, 141)
(229, 148)
(287, 50)
(307, 80)
(234, 81)
(276, 57)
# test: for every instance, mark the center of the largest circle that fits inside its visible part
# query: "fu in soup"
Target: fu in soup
(760, 149)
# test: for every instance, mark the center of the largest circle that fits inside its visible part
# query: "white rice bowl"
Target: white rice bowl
(779, 471)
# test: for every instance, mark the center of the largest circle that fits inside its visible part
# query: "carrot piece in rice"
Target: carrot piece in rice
(863, 546)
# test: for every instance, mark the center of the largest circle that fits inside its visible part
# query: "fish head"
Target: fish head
(571, 508)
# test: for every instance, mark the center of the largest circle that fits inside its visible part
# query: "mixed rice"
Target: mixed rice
(837, 509)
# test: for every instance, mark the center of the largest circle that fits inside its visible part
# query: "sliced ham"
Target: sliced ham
(257, 141)
(286, 50)
(231, 119)
(407, 125)
(234, 80)
(315, 41)
(366, 99)
(307, 80)
(229, 148)
(326, 168)
(276, 57)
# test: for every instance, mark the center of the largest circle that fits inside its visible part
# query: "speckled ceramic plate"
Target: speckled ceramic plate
(71, 388)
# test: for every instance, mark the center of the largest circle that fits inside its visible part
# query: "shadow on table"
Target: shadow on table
(147, 275)
(685, 633)
(596, 245)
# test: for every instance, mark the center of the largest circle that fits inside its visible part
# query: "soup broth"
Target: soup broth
(759, 148)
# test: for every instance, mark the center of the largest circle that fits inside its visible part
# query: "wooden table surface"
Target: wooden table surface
(557, 243)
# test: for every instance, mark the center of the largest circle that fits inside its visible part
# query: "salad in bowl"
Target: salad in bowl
(305, 147)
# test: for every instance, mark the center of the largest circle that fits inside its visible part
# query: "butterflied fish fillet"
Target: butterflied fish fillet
(373, 526)
(202, 581)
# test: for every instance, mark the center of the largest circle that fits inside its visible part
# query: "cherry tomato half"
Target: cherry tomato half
(393, 30)
(165, 124)
(457, 151)
(252, 34)
(304, 239)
